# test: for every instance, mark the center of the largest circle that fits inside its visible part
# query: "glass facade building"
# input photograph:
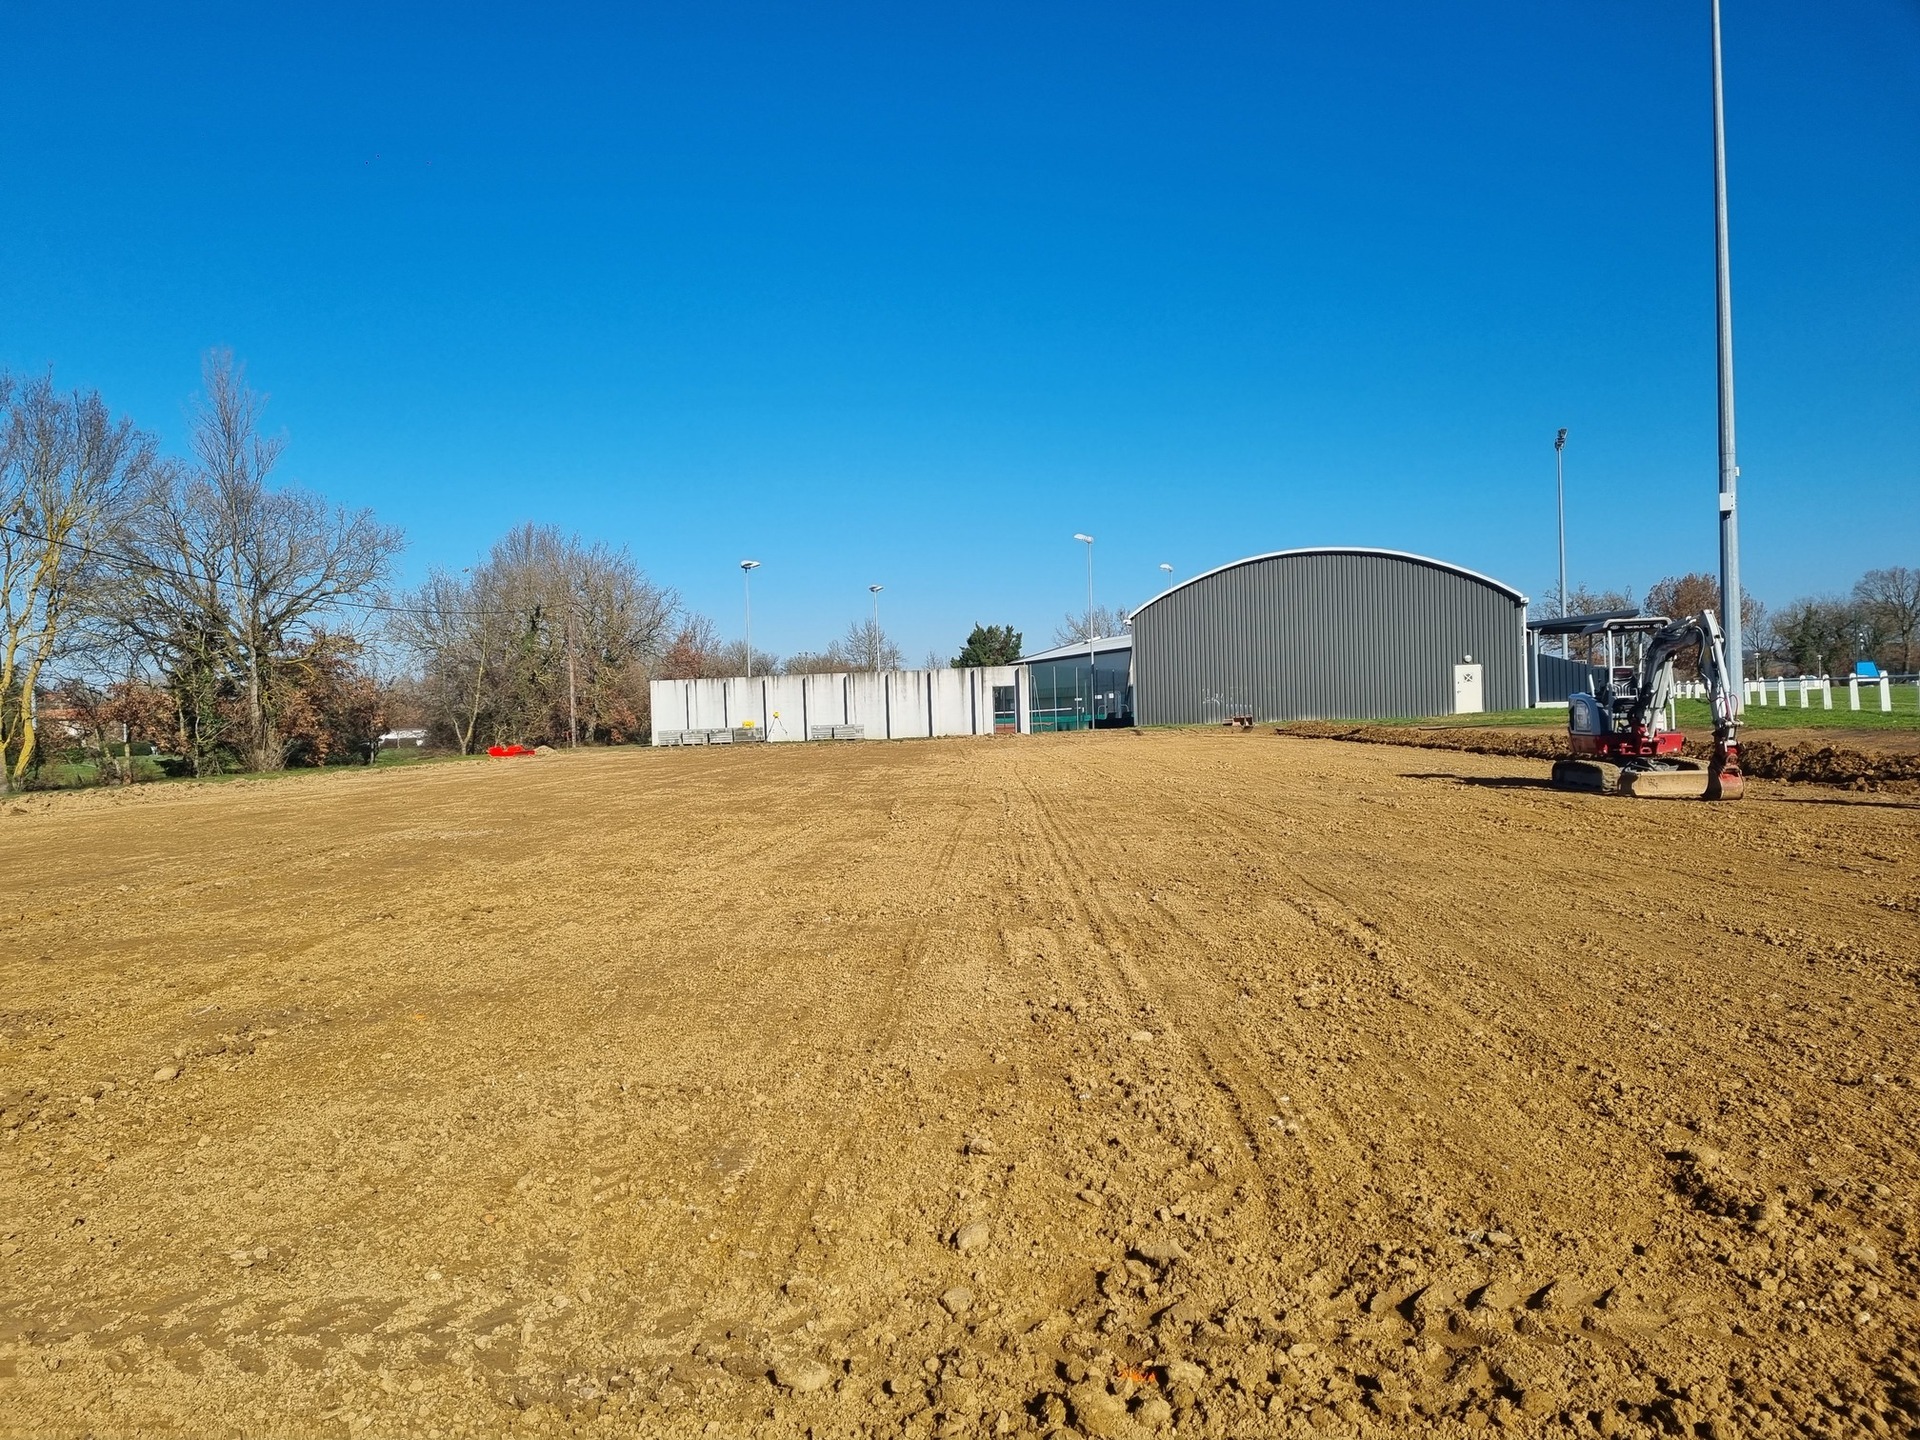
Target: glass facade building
(1065, 692)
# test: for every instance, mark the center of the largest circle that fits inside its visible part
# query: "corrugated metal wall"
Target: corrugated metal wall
(1324, 635)
(1560, 678)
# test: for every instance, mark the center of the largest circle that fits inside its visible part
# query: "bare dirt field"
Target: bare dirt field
(1110, 1085)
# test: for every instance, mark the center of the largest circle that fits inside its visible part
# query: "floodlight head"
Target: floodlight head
(1087, 538)
(876, 589)
(1166, 567)
(1560, 440)
(749, 564)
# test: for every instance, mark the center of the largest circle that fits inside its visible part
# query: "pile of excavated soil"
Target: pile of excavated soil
(1106, 1085)
(1760, 759)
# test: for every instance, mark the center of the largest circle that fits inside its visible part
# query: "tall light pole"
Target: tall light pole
(873, 644)
(1729, 469)
(1560, 488)
(1092, 669)
(747, 567)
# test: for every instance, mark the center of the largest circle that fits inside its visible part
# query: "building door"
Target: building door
(1466, 689)
(1006, 709)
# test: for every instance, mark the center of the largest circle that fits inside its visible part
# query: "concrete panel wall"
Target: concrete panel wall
(907, 717)
(785, 699)
(867, 702)
(890, 705)
(826, 697)
(745, 701)
(709, 705)
(950, 700)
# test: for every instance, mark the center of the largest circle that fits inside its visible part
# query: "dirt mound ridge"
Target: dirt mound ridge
(1808, 764)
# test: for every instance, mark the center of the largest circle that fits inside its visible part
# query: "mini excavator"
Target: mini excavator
(1619, 735)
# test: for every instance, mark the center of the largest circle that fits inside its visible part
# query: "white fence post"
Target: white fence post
(1826, 693)
(1853, 692)
(1886, 694)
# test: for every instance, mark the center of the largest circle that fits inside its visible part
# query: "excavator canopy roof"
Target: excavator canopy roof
(1594, 624)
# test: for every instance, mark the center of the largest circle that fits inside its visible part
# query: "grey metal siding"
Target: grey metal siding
(1324, 635)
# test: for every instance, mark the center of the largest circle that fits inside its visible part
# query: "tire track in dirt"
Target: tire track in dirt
(1242, 1091)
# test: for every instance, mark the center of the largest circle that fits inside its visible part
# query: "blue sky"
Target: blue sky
(910, 294)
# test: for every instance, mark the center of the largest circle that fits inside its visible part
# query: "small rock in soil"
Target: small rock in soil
(1184, 1372)
(803, 1377)
(166, 1073)
(1154, 1412)
(1096, 1413)
(1159, 1251)
(957, 1301)
(972, 1236)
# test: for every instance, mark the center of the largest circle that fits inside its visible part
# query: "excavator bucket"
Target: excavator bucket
(1728, 785)
(1663, 784)
(1667, 780)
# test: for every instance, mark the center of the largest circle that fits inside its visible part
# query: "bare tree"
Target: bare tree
(550, 639)
(814, 662)
(1583, 600)
(866, 646)
(172, 606)
(693, 650)
(1891, 599)
(231, 578)
(1677, 596)
(1099, 623)
(69, 474)
(455, 637)
(292, 557)
(731, 659)
(619, 623)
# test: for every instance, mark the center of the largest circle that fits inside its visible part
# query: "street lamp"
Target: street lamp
(747, 567)
(1166, 567)
(1560, 487)
(1092, 671)
(873, 641)
(1729, 469)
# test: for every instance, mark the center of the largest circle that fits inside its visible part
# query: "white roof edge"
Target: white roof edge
(1078, 647)
(1499, 585)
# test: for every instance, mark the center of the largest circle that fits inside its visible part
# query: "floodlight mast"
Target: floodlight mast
(1560, 488)
(1093, 673)
(1729, 467)
(873, 644)
(747, 567)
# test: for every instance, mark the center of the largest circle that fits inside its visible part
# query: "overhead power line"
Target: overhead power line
(182, 577)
